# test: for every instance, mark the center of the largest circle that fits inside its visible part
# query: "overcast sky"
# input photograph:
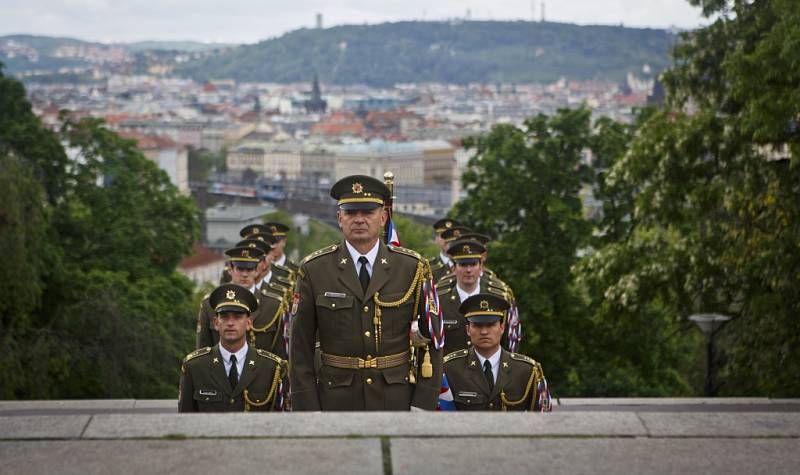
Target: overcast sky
(249, 21)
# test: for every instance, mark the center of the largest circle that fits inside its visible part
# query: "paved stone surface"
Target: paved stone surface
(662, 401)
(42, 427)
(92, 404)
(714, 424)
(592, 456)
(193, 457)
(166, 404)
(364, 424)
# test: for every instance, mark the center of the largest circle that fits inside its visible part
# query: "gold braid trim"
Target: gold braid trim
(248, 403)
(405, 298)
(534, 378)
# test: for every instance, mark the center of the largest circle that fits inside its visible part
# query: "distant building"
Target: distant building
(170, 156)
(223, 223)
(316, 103)
(203, 266)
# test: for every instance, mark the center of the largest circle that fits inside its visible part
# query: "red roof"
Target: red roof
(201, 256)
(150, 142)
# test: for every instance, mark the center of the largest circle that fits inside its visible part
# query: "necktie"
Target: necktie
(363, 275)
(233, 374)
(487, 371)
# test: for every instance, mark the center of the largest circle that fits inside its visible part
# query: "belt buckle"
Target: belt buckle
(367, 363)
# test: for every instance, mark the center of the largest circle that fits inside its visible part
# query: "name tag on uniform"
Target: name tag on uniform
(208, 392)
(467, 394)
(335, 295)
(450, 322)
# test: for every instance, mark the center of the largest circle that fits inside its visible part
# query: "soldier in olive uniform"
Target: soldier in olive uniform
(242, 263)
(272, 271)
(231, 376)
(486, 377)
(361, 297)
(441, 264)
(281, 233)
(466, 282)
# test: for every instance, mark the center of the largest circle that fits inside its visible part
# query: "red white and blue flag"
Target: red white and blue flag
(445, 397)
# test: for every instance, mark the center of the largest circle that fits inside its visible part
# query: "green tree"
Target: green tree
(523, 186)
(714, 216)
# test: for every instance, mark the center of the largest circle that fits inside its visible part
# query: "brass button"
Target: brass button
(491, 404)
(231, 400)
(369, 380)
(369, 357)
(469, 343)
(333, 305)
(366, 309)
(367, 333)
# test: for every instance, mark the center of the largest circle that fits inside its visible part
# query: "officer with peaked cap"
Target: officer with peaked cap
(363, 298)
(281, 233)
(486, 377)
(466, 281)
(242, 264)
(441, 264)
(231, 376)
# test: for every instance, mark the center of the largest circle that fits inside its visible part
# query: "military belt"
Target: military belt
(353, 362)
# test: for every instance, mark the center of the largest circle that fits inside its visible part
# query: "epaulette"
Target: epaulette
(496, 291)
(445, 281)
(456, 354)
(268, 355)
(436, 265)
(267, 293)
(489, 271)
(406, 251)
(276, 288)
(206, 296)
(319, 252)
(282, 268)
(444, 290)
(196, 353)
(284, 281)
(527, 359)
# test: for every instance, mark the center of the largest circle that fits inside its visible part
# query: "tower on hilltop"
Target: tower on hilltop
(316, 103)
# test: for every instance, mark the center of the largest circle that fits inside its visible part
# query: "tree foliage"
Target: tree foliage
(90, 243)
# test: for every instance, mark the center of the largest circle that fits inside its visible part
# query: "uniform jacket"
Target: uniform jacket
(333, 307)
(455, 325)
(205, 387)
(267, 333)
(514, 389)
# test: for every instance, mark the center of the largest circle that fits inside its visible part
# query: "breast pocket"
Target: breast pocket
(468, 400)
(397, 317)
(334, 315)
(209, 399)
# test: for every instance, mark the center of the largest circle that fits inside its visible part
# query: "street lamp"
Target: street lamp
(710, 324)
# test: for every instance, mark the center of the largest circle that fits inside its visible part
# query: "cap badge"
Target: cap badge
(484, 305)
(448, 224)
(273, 229)
(231, 294)
(251, 245)
(456, 233)
(246, 253)
(358, 188)
(467, 249)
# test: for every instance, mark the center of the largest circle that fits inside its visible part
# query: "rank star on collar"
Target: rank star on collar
(216, 360)
(252, 363)
(383, 260)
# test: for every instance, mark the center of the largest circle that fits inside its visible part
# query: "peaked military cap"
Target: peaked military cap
(481, 238)
(256, 243)
(466, 251)
(246, 257)
(279, 230)
(359, 192)
(445, 224)
(232, 298)
(455, 233)
(484, 308)
(251, 229)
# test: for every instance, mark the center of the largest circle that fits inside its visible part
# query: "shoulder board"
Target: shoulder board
(406, 251)
(436, 265)
(498, 284)
(445, 281)
(282, 268)
(527, 359)
(449, 275)
(489, 271)
(267, 293)
(275, 288)
(268, 355)
(284, 280)
(206, 296)
(496, 291)
(444, 290)
(291, 265)
(319, 252)
(196, 353)
(456, 354)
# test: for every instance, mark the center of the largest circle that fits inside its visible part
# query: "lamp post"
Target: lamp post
(710, 324)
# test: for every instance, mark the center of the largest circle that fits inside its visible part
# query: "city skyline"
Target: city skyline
(250, 21)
